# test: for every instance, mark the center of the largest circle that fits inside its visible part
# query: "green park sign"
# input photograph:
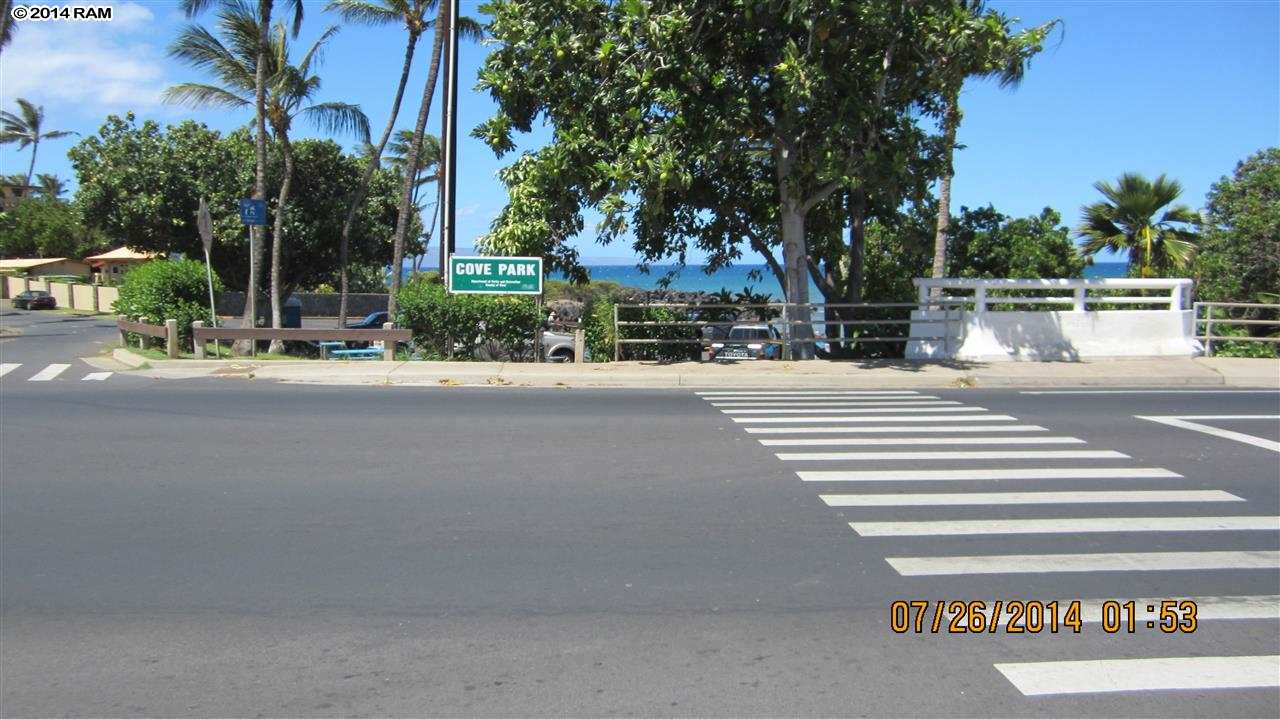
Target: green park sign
(495, 275)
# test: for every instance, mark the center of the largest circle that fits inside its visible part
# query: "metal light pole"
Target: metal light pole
(449, 143)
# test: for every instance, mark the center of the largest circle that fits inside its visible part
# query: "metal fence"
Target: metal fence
(1205, 323)
(712, 322)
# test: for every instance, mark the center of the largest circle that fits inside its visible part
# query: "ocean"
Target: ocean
(692, 279)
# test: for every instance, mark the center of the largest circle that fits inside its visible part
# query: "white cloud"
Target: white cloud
(91, 66)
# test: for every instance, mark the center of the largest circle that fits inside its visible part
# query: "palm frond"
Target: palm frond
(194, 94)
(470, 29)
(363, 12)
(316, 52)
(339, 118)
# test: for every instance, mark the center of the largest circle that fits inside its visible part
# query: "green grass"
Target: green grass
(159, 354)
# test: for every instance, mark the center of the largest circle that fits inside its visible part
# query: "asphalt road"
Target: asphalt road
(240, 548)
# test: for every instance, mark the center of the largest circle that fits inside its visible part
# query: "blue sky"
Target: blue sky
(1185, 88)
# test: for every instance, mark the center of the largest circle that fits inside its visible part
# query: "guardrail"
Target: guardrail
(168, 332)
(387, 335)
(1176, 297)
(1208, 321)
(795, 329)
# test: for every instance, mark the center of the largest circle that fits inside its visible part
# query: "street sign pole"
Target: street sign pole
(205, 224)
(449, 189)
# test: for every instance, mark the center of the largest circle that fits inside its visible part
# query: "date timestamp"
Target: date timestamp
(1019, 616)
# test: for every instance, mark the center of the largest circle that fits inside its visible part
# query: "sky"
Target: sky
(1184, 88)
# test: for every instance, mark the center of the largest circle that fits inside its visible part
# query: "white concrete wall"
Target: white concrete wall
(1060, 335)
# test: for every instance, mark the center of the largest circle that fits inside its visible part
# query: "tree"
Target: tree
(289, 88)
(1138, 216)
(974, 43)
(7, 25)
(429, 171)
(1239, 255)
(27, 129)
(46, 227)
(709, 125)
(467, 29)
(415, 15)
(265, 8)
(142, 183)
(51, 186)
(988, 244)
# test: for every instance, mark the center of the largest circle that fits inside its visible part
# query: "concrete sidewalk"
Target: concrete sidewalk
(1162, 372)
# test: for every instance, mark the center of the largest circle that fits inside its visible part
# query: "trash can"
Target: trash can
(291, 312)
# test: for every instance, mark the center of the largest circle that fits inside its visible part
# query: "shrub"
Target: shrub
(502, 325)
(163, 290)
(597, 326)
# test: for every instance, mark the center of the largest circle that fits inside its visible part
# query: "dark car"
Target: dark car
(373, 322)
(749, 342)
(35, 300)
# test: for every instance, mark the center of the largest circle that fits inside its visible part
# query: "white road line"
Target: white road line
(877, 441)
(942, 475)
(835, 403)
(857, 410)
(1095, 676)
(1181, 422)
(904, 428)
(48, 373)
(96, 376)
(1065, 525)
(895, 418)
(957, 455)
(1153, 391)
(1264, 606)
(802, 392)
(7, 367)
(936, 499)
(1104, 562)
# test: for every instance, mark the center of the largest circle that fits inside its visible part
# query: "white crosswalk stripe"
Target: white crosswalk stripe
(891, 441)
(1065, 525)
(49, 373)
(1101, 562)
(96, 376)
(938, 499)
(1128, 675)
(7, 367)
(944, 475)
(929, 429)
(912, 429)
(801, 393)
(962, 455)
(891, 418)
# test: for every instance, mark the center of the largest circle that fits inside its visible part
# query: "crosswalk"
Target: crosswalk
(49, 373)
(906, 440)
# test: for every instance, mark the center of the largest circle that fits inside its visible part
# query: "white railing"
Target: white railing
(1204, 325)
(1177, 297)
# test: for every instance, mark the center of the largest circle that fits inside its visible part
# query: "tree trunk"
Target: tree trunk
(794, 263)
(950, 121)
(32, 167)
(362, 190)
(857, 244)
(411, 162)
(260, 173)
(277, 239)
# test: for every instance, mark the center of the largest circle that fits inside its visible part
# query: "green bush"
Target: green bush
(460, 326)
(597, 326)
(163, 290)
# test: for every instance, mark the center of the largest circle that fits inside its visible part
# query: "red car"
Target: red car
(35, 300)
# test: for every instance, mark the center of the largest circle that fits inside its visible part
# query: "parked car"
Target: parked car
(35, 300)
(373, 321)
(557, 346)
(749, 342)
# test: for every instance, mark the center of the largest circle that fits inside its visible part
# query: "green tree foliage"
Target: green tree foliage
(460, 326)
(1138, 216)
(47, 228)
(163, 290)
(1239, 258)
(985, 243)
(143, 184)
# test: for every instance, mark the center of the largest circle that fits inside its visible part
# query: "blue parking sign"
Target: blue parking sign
(253, 212)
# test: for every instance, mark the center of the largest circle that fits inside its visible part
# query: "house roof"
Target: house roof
(123, 253)
(29, 262)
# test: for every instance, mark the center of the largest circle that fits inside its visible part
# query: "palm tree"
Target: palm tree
(980, 44)
(467, 29)
(263, 48)
(429, 171)
(289, 88)
(1126, 220)
(51, 186)
(7, 25)
(27, 128)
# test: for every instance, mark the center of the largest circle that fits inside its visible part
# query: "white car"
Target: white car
(749, 342)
